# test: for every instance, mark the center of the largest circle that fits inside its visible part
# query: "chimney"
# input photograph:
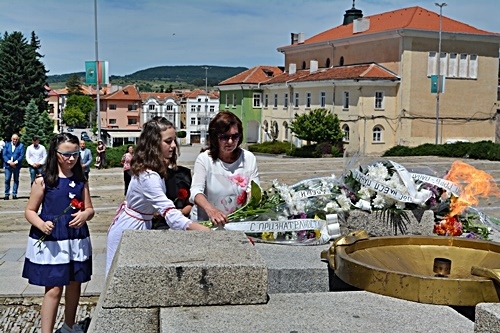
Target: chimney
(313, 66)
(292, 69)
(301, 38)
(360, 25)
(294, 38)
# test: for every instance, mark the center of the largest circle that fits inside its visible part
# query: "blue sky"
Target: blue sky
(139, 34)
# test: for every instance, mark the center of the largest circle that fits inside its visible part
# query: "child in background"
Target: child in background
(59, 251)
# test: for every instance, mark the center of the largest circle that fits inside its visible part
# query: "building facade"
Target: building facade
(376, 74)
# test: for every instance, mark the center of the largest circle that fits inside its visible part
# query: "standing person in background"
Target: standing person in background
(36, 155)
(222, 173)
(101, 154)
(85, 158)
(146, 191)
(59, 250)
(13, 154)
(2, 144)
(126, 158)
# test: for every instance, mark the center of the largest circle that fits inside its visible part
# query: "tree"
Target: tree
(22, 78)
(74, 85)
(319, 125)
(36, 124)
(73, 116)
(85, 104)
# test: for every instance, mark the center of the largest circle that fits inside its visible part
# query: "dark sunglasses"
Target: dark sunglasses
(67, 155)
(226, 137)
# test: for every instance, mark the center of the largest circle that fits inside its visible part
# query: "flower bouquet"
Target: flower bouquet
(267, 217)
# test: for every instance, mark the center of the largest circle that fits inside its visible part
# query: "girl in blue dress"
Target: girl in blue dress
(59, 251)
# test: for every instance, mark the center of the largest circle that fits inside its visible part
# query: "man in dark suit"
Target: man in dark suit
(12, 154)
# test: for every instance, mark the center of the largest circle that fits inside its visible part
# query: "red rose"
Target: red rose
(183, 194)
(77, 204)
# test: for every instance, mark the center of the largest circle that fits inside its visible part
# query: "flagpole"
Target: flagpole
(98, 103)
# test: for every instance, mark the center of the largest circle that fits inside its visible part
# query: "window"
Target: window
(193, 121)
(132, 121)
(170, 107)
(112, 121)
(462, 65)
(198, 108)
(151, 107)
(266, 100)
(308, 100)
(275, 101)
(227, 100)
(212, 108)
(453, 65)
(377, 134)
(285, 100)
(193, 108)
(234, 100)
(379, 100)
(327, 63)
(473, 66)
(132, 107)
(112, 106)
(199, 120)
(345, 100)
(296, 100)
(431, 63)
(345, 129)
(256, 100)
(322, 99)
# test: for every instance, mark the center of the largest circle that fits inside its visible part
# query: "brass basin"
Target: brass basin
(405, 267)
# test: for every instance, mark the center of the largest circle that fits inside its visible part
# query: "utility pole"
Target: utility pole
(204, 128)
(98, 87)
(439, 83)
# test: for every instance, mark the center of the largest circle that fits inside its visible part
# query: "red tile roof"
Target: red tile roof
(370, 71)
(415, 18)
(253, 75)
(158, 96)
(129, 93)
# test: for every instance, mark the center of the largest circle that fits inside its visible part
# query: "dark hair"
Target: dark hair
(220, 124)
(147, 153)
(51, 171)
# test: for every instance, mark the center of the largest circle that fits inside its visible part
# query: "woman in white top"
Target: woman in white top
(146, 191)
(222, 173)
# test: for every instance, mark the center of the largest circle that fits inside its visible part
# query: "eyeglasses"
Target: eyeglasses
(226, 137)
(67, 155)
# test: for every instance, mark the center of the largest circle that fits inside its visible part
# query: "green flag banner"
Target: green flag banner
(96, 72)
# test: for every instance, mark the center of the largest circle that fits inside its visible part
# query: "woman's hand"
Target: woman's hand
(216, 217)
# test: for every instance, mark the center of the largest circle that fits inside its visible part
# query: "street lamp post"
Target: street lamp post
(98, 103)
(440, 5)
(204, 128)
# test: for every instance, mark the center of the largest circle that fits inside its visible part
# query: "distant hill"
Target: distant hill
(193, 75)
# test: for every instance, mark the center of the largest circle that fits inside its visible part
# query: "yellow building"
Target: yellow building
(376, 74)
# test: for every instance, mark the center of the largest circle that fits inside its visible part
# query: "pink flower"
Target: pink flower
(241, 180)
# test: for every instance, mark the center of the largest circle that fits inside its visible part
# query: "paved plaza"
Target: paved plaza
(19, 301)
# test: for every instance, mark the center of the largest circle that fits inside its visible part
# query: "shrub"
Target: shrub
(269, 147)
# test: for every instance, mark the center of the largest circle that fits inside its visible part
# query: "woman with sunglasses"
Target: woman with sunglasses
(146, 191)
(59, 251)
(222, 173)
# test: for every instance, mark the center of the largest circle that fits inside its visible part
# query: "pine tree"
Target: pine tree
(22, 78)
(37, 124)
(74, 85)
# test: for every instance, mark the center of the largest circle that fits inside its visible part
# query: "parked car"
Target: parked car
(84, 136)
(70, 129)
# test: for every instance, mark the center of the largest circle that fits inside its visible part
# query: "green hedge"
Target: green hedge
(482, 150)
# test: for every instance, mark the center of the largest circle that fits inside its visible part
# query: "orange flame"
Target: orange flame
(473, 183)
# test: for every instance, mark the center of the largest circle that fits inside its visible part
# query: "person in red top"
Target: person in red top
(126, 158)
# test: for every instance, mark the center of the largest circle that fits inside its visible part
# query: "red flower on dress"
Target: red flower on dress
(74, 204)
(242, 198)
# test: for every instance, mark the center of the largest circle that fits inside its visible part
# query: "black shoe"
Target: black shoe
(6, 197)
(14, 197)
